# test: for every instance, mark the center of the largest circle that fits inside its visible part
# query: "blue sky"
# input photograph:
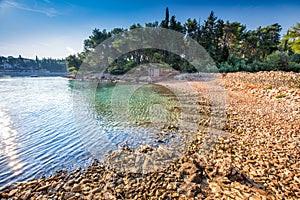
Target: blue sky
(53, 28)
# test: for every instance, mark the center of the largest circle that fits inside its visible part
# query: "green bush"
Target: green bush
(277, 61)
(293, 66)
(256, 66)
(280, 96)
(270, 87)
(226, 67)
(295, 58)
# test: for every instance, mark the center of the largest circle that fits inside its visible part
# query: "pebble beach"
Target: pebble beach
(257, 157)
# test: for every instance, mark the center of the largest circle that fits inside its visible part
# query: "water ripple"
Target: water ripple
(37, 131)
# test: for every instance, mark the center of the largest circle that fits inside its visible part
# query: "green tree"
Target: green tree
(152, 24)
(249, 49)
(277, 61)
(208, 37)
(165, 22)
(95, 39)
(222, 51)
(269, 39)
(292, 38)
(73, 63)
(117, 31)
(133, 26)
(175, 25)
(232, 47)
(233, 35)
(191, 27)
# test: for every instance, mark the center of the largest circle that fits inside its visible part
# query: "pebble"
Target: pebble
(76, 188)
(257, 158)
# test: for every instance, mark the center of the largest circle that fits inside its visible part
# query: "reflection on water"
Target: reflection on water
(39, 134)
(37, 131)
(8, 147)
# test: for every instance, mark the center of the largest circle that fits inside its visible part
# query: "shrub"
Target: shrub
(295, 58)
(226, 67)
(280, 96)
(277, 61)
(270, 87)
(293, 66)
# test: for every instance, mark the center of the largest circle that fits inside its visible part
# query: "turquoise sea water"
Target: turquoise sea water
(52, 123)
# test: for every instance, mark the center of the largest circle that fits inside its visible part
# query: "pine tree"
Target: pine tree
(292, 38)
(165, 22)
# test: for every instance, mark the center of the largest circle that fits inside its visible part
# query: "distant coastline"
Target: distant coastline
(32, 73)
(10, 66)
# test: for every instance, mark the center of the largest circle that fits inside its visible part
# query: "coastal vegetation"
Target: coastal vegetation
(231, 45)
(20, 64)
(152, 133)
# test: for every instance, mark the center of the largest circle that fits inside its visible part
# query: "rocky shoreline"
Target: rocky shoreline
(259, 158)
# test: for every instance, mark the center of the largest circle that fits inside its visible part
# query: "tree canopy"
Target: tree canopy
(292, 38)
(231, 45)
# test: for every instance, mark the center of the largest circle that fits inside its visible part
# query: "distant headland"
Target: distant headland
(11, 66)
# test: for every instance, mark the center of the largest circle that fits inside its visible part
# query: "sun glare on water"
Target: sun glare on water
(8, 141)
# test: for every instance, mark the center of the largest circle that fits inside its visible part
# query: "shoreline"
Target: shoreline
(257, 161)
(33, 73)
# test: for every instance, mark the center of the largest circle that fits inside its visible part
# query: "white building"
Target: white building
(153, 72)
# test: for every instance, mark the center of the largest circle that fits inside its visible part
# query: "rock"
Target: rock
(4, 195)
(145, 149)
(215, 187)
(12, 192)
(259, 159)
(26, 194)
(196, 178)
(188, 169)
(84, 181)
(96, 190)
(192, 192)
(76, 188)
(45, 187)
(68, 195)
(254, 197)
(66, 188)
(171, 186)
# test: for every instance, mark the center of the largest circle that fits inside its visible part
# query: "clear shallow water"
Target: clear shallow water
(111, 117)
(48, 124)
(37, 131)
(130, 115)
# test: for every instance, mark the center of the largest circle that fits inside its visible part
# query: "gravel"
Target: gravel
(258, 157)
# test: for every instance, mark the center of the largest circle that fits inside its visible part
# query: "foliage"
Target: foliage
(25, 64)
(280, 96)
(165, 22)
(95, 39)
(230, 44)
(292, 39)
(277, 61)
(270, 87)
(295, 58)
(73, 63)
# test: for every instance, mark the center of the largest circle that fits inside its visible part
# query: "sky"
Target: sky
(57, 28)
